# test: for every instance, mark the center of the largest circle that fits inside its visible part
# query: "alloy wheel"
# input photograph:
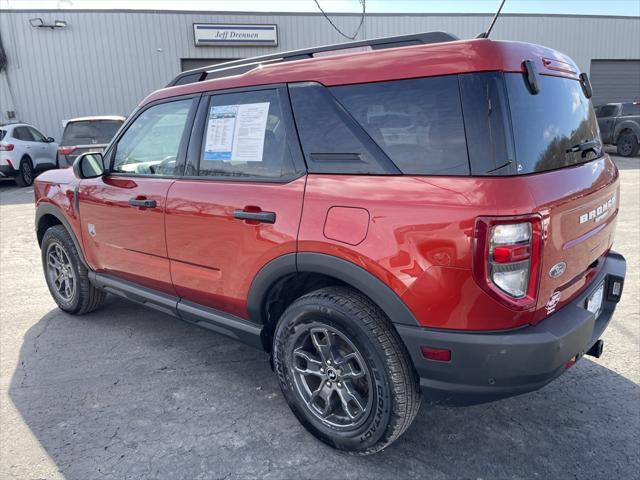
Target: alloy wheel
(27, 174)
(331, 377)
(60, 272)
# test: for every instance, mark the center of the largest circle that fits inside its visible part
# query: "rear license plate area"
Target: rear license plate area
(594, 301)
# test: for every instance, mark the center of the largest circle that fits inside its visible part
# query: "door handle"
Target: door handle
(142, 203)
(264, 217)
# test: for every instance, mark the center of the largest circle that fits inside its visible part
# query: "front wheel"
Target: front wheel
(627, 145)
(344, 371)
(66, 275)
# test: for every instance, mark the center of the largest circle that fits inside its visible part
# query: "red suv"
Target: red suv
(416, 213)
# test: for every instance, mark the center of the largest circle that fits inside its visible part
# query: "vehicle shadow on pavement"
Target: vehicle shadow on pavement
(11, 194)
(129, 393)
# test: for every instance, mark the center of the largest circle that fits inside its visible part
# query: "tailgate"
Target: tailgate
(581, 206)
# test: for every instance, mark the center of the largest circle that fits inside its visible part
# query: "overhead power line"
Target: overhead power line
(355, 34)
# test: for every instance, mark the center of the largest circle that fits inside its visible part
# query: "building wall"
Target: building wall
(106, 62)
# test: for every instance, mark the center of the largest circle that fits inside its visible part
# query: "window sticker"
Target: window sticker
(235, 133)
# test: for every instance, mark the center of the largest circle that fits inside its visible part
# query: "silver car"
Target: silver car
(86, 134)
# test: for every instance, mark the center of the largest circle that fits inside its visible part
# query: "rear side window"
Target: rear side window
(417, 123)
(246, 136)
(331, 140)
(2, 134)
(88, 132)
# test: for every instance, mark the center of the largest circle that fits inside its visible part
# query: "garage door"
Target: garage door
(615, 80)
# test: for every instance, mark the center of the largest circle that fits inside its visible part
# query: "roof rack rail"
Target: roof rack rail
(236, 67)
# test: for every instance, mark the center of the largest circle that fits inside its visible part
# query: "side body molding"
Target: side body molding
(348, 272)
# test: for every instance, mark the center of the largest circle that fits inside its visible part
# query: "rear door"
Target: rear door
(122, 213)
(239, 205)
(577, 192)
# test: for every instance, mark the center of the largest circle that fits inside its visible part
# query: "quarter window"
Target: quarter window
(417, 123)
(246, 137)
(151, 144)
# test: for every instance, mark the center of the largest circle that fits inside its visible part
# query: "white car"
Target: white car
(24, 151)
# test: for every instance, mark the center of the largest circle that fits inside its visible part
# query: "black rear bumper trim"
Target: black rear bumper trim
(492, 365)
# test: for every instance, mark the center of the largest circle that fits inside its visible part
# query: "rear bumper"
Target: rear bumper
(7, 171)
(492, 365)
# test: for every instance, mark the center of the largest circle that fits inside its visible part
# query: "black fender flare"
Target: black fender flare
(634, 126)
(49, 209)
(350, 273)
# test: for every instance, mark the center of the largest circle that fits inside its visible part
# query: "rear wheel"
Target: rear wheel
(344, 371)
(66, 275)
(25, 175)
(627, 145)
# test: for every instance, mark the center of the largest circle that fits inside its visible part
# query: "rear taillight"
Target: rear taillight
(507, 253)
(66, 150)
(6, 147)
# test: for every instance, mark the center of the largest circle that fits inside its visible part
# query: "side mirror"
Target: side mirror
(88, 165)
(50, 139)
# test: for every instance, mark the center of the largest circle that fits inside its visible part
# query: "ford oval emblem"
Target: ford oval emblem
(557, 270)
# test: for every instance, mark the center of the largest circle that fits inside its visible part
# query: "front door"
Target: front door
(241, 205)
(122, 213)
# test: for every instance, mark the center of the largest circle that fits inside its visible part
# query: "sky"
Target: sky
(579, 7)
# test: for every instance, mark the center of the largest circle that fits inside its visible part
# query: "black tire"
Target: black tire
(25, 173)
(83, 297)
(627, 145)
(392, 391)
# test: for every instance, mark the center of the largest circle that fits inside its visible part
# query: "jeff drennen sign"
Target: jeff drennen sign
(209, 34)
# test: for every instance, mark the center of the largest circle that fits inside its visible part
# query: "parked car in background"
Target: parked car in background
(620, 126)
(87, 134)
(23, 151)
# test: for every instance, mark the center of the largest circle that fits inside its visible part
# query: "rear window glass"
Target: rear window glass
(90, 132)
(547, 125)
(2, 134)
(417, 123)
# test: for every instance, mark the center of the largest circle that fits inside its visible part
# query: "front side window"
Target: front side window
(151, 144)
(22, 133)
(246, 136)
(417, 123)
(549, 127)
(37, 136)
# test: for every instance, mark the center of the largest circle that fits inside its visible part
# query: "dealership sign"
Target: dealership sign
(209, 34)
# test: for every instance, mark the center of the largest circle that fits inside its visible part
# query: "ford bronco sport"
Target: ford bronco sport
(412, 213)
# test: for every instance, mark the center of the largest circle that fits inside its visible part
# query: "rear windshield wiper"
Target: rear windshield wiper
(585, 147)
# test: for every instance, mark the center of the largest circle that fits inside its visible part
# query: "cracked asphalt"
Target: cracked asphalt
(128, 393)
